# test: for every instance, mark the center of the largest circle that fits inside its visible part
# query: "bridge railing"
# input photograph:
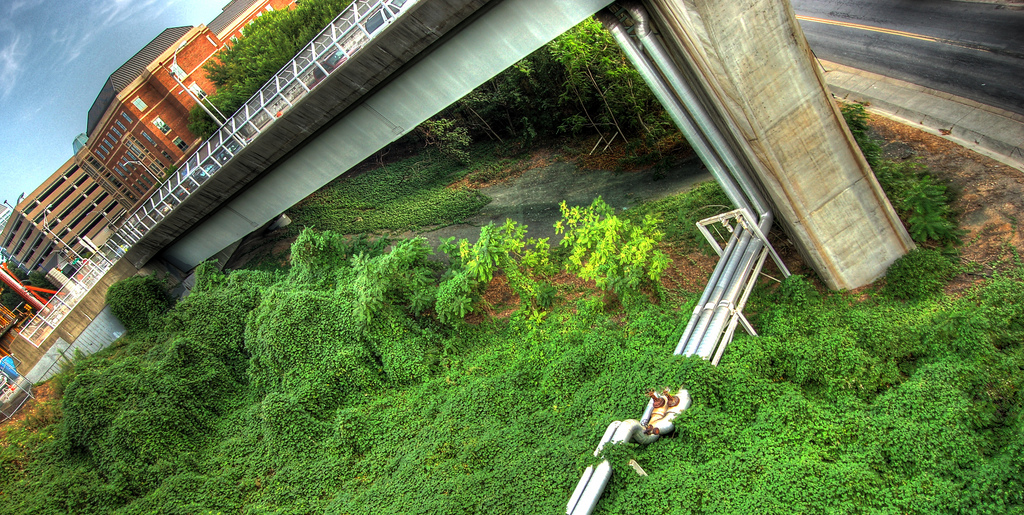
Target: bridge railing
(62, 302)
(344, 36)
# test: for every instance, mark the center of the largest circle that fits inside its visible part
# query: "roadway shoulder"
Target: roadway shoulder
(988, 130)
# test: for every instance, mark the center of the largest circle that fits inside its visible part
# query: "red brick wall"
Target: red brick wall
(165, 98)
(277, 5)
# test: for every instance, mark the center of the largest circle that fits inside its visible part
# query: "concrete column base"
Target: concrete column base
(750, 59)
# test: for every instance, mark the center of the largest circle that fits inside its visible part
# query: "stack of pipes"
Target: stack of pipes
(650, 57)
(704, 332)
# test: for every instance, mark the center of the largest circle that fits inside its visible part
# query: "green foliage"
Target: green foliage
(283, 393)
(454, 298)
(920, 200)
(449, 139)
(409, 194)
(682, 212)
(918, 275)
(617, 254)
(8, 298)
(137, 300)
(267, 44)
(580, 83)
(857, 120)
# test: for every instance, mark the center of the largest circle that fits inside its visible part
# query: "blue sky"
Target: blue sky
(55, 56)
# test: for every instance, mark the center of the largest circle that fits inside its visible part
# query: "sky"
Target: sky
(55, 55)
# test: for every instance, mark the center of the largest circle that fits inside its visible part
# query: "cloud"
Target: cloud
(22, 5)
(118, 11)
(11, 65)
(104, 19)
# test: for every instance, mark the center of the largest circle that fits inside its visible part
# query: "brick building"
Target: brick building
(137, 129)
(138, 126)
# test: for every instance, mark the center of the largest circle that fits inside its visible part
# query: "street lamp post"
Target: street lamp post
(15, 212)
(191, 94)
(46, 227)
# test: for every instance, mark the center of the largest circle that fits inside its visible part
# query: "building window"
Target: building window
(178, 72)
(180, 143)
(121, 125)
(139, 104)
(164, 128)
(199, 93)
(148, 138)
(126, 117)
(115, 131)
(168, 156)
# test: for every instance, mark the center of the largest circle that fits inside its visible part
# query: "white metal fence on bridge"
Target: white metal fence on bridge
(324, 55)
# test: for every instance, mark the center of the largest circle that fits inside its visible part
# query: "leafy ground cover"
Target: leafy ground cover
(352, 383)
(426, 189)
(333, 388)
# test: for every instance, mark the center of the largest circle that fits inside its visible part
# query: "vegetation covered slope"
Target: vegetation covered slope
(338, 388)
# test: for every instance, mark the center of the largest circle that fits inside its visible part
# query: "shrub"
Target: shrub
(450, 139)
(857, 120)
(617, 254)
(918, 275)
(137, 300)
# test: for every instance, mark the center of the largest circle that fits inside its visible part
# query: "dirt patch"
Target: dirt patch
(689, 270)
(33, 409)
(988, 195)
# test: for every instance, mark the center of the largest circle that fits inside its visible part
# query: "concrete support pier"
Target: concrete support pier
(750, 61)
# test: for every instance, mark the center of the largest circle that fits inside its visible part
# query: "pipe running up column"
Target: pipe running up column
(734, 266)
(704, 344)
(703, 149)
(699, 129)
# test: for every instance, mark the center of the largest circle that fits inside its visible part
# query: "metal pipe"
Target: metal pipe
(701, 117)
(682, 116)
(721, 313)
(718, 294)
(646, 417)
(675, 109)
(580, 487)
(706, 294)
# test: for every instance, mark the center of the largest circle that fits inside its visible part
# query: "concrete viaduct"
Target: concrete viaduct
(747, 62)
(737, 76)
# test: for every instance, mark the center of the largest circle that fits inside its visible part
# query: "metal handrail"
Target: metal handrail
(342, 38)
(360, 22)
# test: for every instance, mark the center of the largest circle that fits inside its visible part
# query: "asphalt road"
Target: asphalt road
(972, 50)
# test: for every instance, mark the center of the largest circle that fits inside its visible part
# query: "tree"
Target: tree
(611, 251)
(268, 43)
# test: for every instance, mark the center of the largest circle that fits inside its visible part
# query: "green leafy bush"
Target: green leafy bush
(857, 121)
(920, 274)
(920, 200)
(448, 138)
(612, 251)
(137, 300)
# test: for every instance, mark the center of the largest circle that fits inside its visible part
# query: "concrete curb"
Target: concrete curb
(988, 130)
